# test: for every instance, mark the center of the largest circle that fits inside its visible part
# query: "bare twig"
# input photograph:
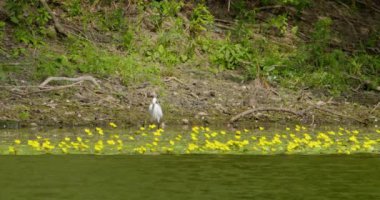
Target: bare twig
(374, 108)
(175, 79)
(56, 88)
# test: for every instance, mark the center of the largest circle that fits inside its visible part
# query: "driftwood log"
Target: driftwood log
(78, 79)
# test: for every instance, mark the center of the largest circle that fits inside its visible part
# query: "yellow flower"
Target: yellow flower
(89, 133)
(237, 137)
(67, 139)
(111, 142)
(112, 124)
(11, 150)
(79, 139)
(223, 132)
(100, 131)
(131, 138)
(171, 142)
(287, 128)
(17, 141)
(64, 150)
(142, 128)
(152, 126)
(261, 128)
(157, 133)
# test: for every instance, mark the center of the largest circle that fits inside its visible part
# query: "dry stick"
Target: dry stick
(57, 25)
(175, 79)
(56, 88)
(223, 26)
(81, 78)
(250, 111)
(373, 110)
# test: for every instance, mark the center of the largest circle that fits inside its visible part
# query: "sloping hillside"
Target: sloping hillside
(314, 61)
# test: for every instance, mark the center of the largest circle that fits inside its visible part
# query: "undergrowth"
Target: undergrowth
(158, 39)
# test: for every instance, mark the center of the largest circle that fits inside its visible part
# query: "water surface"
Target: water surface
(190, 177)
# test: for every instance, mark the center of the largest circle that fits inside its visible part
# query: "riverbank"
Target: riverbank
(194, 97)
(209, 63)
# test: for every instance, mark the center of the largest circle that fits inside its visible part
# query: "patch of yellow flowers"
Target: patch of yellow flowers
(202, 140)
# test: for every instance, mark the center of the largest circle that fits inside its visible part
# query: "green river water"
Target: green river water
(190, 177)
(195, 177)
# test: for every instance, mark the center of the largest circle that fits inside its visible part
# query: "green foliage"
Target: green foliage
(163, 55)
(127, 39)
(229, 56)
(2, 30)
(31, 19)
(72, 7)
(24, 115)
(164, 9)
(280, 22)
(299, 4)
(84, 58)
(200, 19)
(113, 21)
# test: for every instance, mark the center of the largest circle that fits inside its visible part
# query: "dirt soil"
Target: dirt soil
(195, 97)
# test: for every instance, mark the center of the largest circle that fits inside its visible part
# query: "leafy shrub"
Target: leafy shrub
(163, 9)
(229, 56)
(280, 22)
(30, 18)
(200, 19)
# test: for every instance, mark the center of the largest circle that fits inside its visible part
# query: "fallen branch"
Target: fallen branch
(81, 78)
(374, 108)
(56, 88)
(57, 25)
(250, 111)
(177, 80)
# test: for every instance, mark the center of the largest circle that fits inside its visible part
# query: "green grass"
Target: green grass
(154, 43)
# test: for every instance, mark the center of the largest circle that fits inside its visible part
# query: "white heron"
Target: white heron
(155, 111)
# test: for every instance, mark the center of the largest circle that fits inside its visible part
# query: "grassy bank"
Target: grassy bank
(143, 41)
(207, 61)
